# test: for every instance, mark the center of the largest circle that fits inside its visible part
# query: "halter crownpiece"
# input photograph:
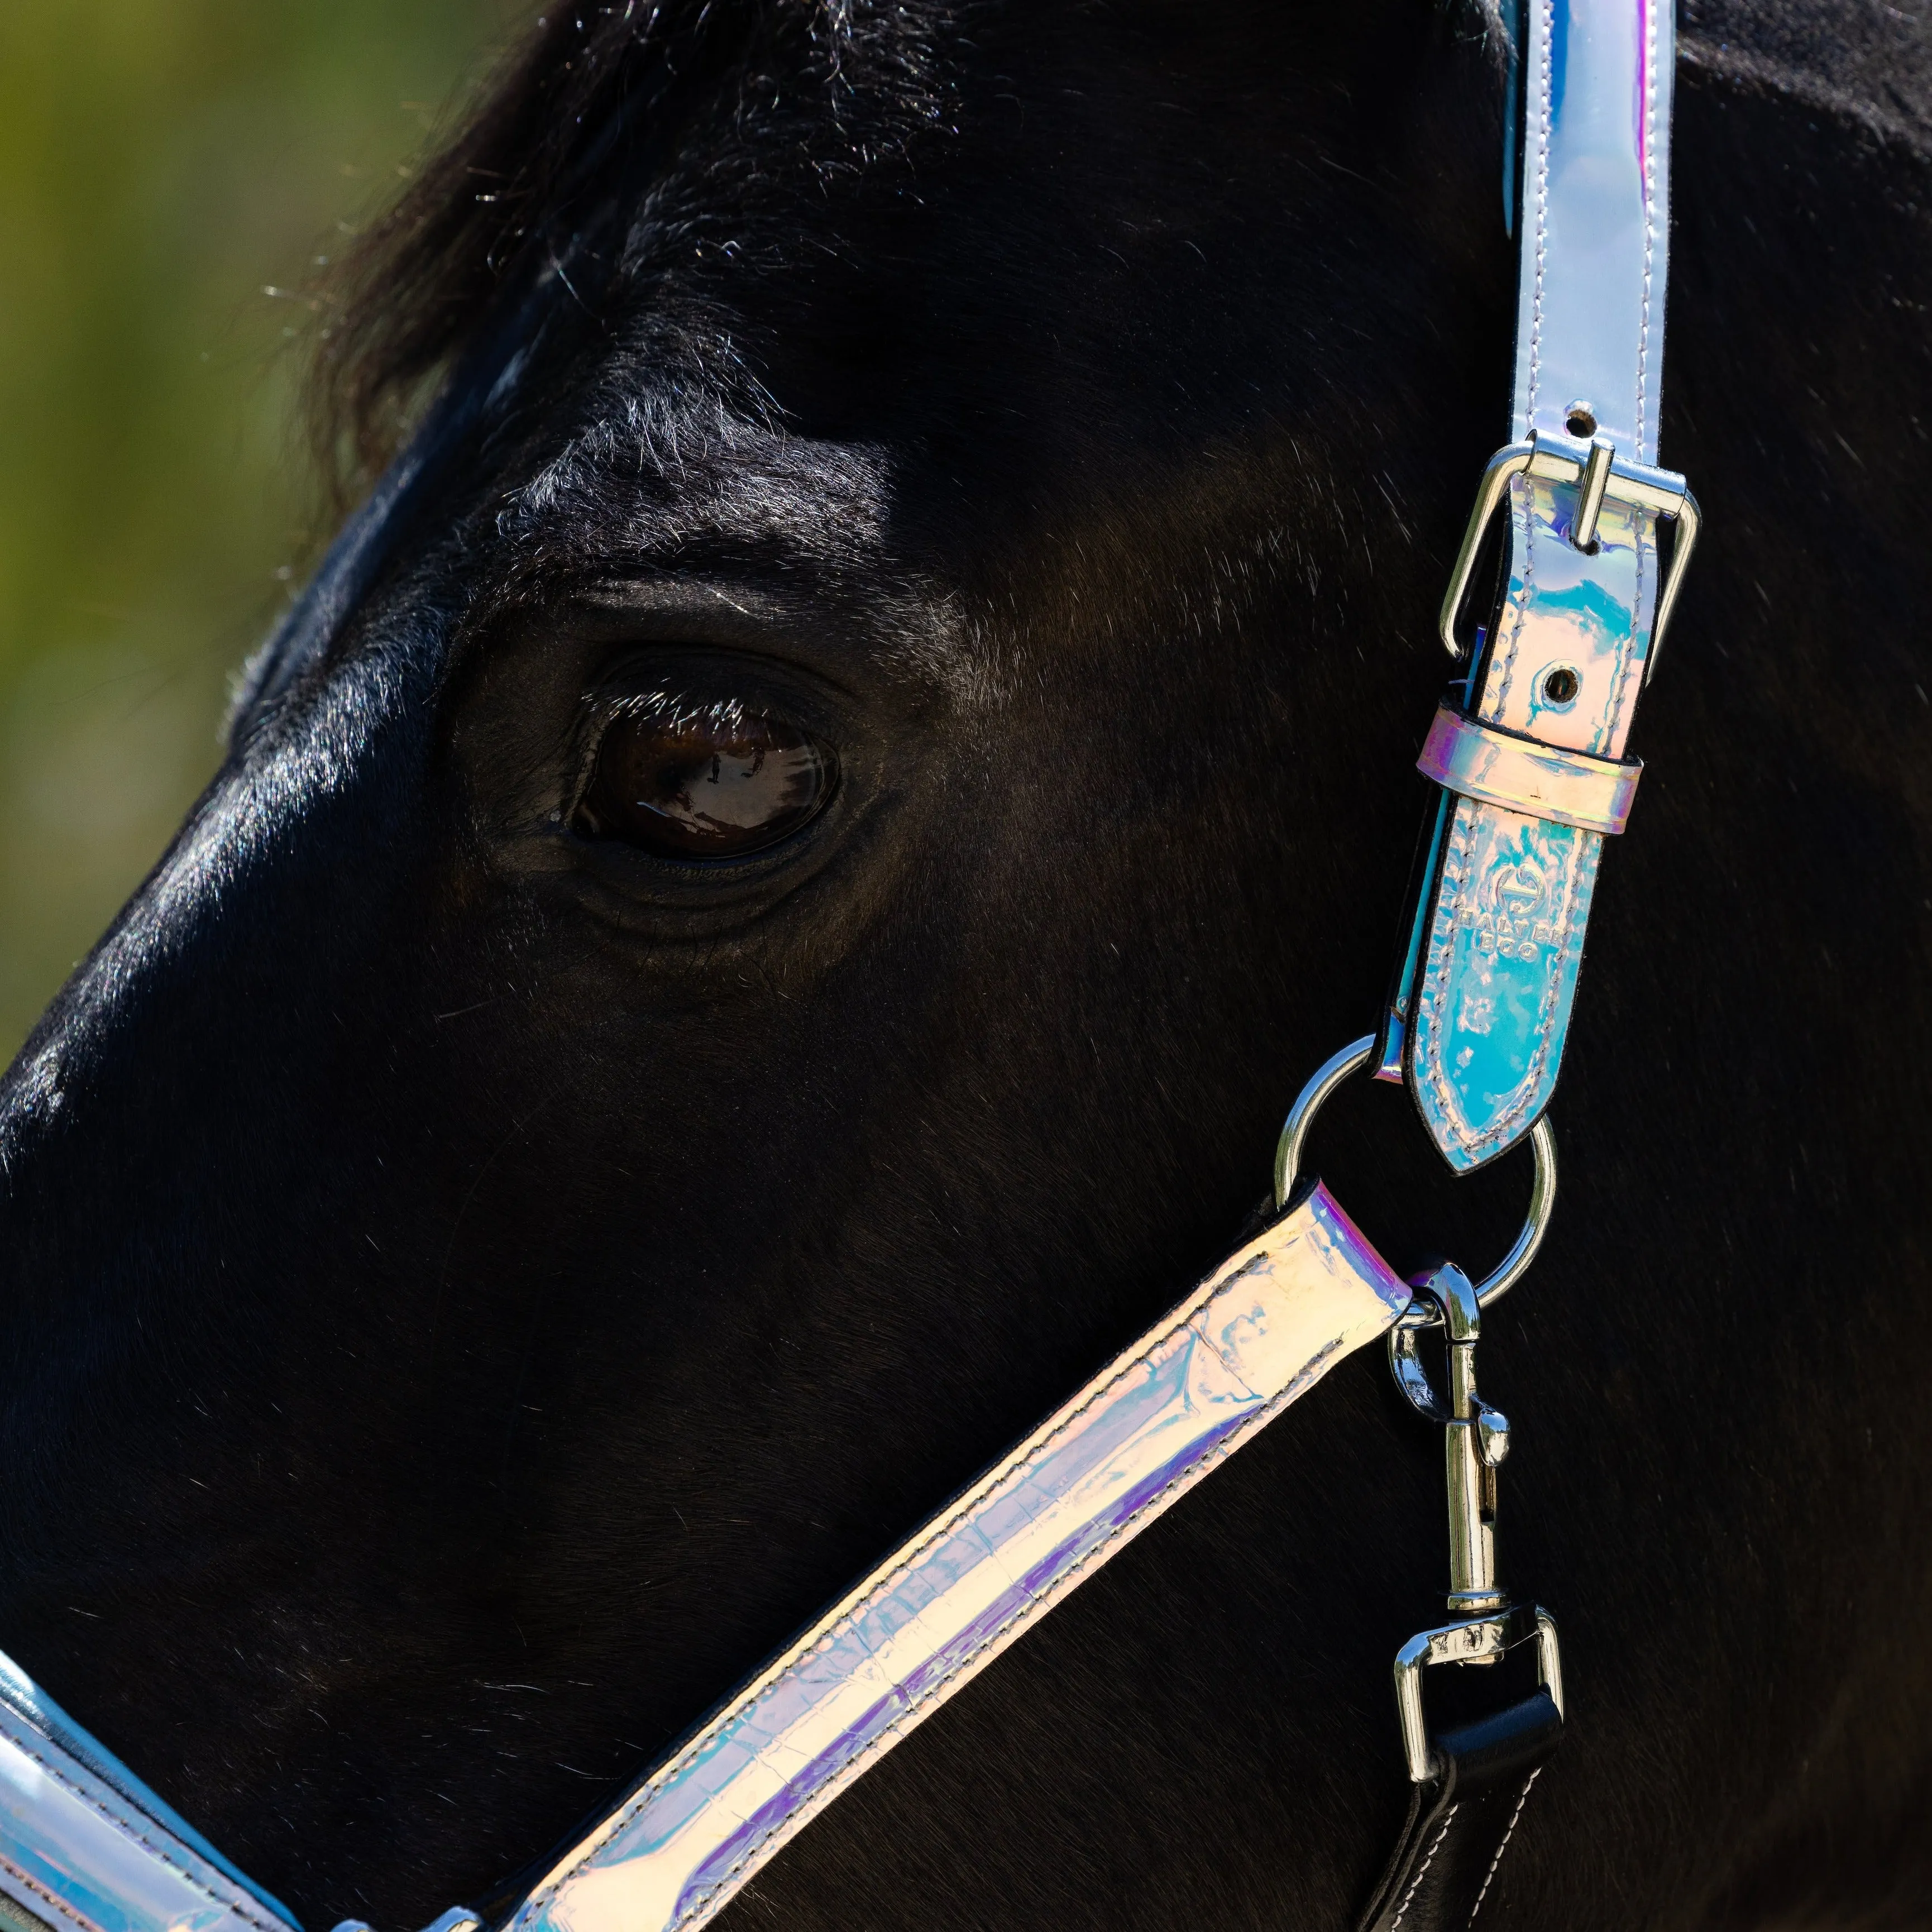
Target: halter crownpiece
(1529, 751)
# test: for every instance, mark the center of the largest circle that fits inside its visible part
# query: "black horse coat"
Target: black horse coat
(472, 1287)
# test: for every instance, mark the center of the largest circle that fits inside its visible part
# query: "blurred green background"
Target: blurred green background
(165, 166)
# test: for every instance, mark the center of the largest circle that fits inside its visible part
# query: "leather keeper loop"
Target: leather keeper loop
(1483, 761)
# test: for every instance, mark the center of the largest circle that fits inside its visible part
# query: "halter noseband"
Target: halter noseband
(1529, 751)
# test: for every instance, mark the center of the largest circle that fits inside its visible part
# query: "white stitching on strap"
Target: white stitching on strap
(1545, 122)
(57, 1905)
(1649, 218)
(1643, 526)
(1408, 1897)
(1523, 1798)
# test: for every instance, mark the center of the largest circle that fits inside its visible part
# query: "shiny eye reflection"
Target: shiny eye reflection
(710, 782)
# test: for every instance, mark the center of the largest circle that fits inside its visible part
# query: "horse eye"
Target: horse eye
(716, 782)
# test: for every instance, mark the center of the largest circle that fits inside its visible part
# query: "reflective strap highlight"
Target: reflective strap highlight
(1482, 761)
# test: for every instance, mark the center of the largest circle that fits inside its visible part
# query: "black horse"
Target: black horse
(485, 1258)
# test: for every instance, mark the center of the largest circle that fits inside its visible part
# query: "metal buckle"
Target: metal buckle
(1478, 1640)
(1595, 467)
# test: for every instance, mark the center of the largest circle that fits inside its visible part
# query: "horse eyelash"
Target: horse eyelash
(669, 708)
(679, 713)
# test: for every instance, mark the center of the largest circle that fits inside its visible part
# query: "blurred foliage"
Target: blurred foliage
(167, 167)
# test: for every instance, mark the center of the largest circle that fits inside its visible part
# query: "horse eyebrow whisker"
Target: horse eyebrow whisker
(730, 603)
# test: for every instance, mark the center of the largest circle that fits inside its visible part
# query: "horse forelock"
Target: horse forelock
(779, 96)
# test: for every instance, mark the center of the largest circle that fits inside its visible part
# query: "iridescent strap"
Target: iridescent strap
(1482, 1002)
(1267, 1325)
(86, 1847)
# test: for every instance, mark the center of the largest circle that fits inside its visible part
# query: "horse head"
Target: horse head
(761, 920)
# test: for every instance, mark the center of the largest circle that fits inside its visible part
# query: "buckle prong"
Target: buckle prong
(1596, 480)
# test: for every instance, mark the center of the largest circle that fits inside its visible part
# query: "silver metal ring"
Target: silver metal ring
(1328, 1076)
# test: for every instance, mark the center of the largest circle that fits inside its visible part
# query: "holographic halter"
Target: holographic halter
(1529, 749)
